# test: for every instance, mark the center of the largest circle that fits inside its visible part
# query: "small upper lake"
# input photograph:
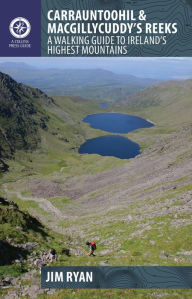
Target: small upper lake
(112, 145)
(105, 104)
(117, 122)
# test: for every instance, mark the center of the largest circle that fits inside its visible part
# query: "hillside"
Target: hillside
(21, 116)
(24, 245)
(138, 210)
(17, 227)
(162, 93)
(168, 103)
(28, 116)
(91, 84)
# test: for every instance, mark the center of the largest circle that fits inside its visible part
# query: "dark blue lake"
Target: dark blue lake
(112, 145)
(117, 122)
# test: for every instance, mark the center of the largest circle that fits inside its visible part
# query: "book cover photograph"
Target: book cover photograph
(95, 149)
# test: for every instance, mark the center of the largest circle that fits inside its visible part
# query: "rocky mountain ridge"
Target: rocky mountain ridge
(22, 115)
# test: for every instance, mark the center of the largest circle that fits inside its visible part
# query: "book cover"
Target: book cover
(95, 149)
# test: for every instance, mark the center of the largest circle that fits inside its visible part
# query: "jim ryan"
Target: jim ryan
(69, 276)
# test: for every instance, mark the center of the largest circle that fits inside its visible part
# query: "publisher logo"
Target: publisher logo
(20, 27)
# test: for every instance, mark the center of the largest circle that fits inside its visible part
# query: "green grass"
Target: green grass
(12, 270)
(60, 202)
(137, 249)
(18, 227)
(27, 205)
(25, 193)
(134, 251)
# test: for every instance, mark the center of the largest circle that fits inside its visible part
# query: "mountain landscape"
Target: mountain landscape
(137, 210)
(21, 115)
(91, 84)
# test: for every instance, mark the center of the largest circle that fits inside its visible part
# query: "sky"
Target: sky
(152, 67)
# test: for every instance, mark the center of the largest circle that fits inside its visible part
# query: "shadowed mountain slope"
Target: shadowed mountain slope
(21, 116)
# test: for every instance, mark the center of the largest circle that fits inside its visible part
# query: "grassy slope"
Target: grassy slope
(57, 149)
(57, 159)
(167, 104)
(21, 116)
(162, 103)
(18, 227)
(161, 243)
(59, 144)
